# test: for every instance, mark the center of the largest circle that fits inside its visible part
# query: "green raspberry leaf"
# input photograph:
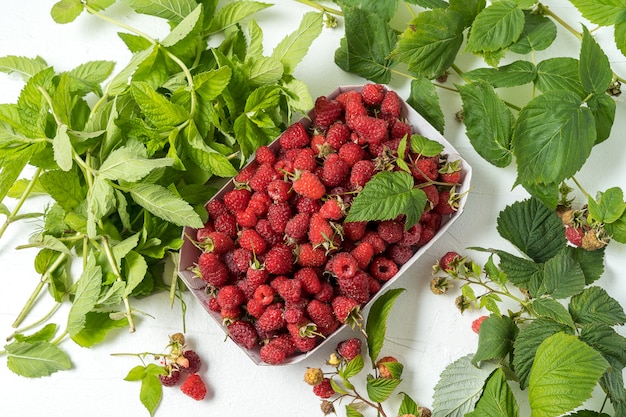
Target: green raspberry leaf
(560, 73)
(379, 389)
(489, 122)
(151, 388)
(430, 4)
(591, 262)
(600, 12)
(425, 100)
(609, 207)
(100, 4)
(497, 398)
(552, 309)
(469, 9)
(496, 27)
(563, 277)
(538, 34)
(496, 337)
(533, 228)
(605, 340)
(553, 137)
(98, 325)
(66, 11)
(603, 108)
(386, 196)
(595, 305)
(408, 406)
(563, 375)
(431, 42)
(36, 359)
(620, 32)
(424, 146)
(617, 229)
(385, 9)
(376, 324)
(595, 70)
(511, 75)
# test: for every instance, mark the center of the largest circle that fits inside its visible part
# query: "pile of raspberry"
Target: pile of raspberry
(283, 268)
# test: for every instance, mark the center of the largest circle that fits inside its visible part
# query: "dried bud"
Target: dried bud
(462, 303)
(439, 285)
(334, 360)
(423, 412)
(327, 407)
(591, 241)
(313, 376)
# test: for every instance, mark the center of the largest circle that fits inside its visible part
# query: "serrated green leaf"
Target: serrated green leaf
(292, 49)
(595, 305)
(32, 106)
(63, 150)
(263, 70)
(459, 387)
(36, 359)
(353, 367)
(495, 339)
(151, 391)
(619, 31)
(66, 11)
(158, 109)
(97, 326)
(408, 406)
(429, 4)
(489, 122)
(563, 277)
(553, 137)
(165, 204)
(365, 50)
(496, 27)
(205, 156)
(351, 411)
(385, 9)
(45, 334)
(298, 96)
(538, 34)
(87, 294)
(497, 398)
(64, 187)
(532, 228)
(376, 323)
(603, 108)
(609, 207)
(379, 389)
(431, 42)
(386, 196)
(511, 75)
(469, 9)
(87, 76)
(233, 12)
(183, 28)
(26, 67)
(100, 4)
(605, 340)
(591, 262)
(560, 73)
(617, 229)
(135, 268)
(425, 100)
(172, 10)
(210, 84)
(130, 163)
(601, 12)
(563, 375)
(553, 310)
(424, 146)
(595, 70)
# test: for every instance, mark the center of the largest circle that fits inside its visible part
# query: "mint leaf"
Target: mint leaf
(489, 122)
(45, 334)
(263, 70)
(24, 66)
(184, 28)
(497, 398)
(130, 163)
(425, 100)
(431, 42)
(609, 207)
(511, 75)
(595, 305)
(496, 337)
(292, 49)
(97, 326)
(601, 12)
(135, 269)
(384, 9)
(87, 294)
(172, 10)
(563, 277)
(36, 359)
(538, 34)
(165, 204)
(32, 106)
(496, 27)
(595, 70)
(365, 50)
(560, 73)
(376, 324)
(563, 375)
(459, 387)
(232, 13)
(553, 137)
(99, 201)
(532, 228)
(64, 187)
(66, 11)
(158, 109)
(386, 196)
(88, 76)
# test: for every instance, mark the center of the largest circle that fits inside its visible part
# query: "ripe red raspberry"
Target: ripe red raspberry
(320, 232)
(324, 389)
(295, 136)
(194, 387)
(327, 292)
(192, 360)
(307, 205)
(322, 314)
(243, 333)
(216, 207)
(450, 172)
(424, 169)
(347, 96)
(272, 355)
(432, 195)
(400, 254)
(363, 253)
(251, 240)
(310, 280)
(259, 203)
(264, 228)
(240, 260)
(290, 290)
(574, 235)
(373, 94)
(337, 135)
(305, 160)
(216, 242)
(265, 155)
(255, 308)
(297, 227)
(264, 294)
(171, 378)
(357, 287)
(379, 244)
(278, 215)
(343, 265)
(308, 256)
(226, 223)
(349, 348)
(426, 236)
(265, 174)
(346, 309)
(400, 129)
(230, 297)
(279, 190)
(450, 261)
(212, 270)
(242, 178)
(372, 129)
(318, 144)
(390, 230)
(284, 342)
(476, 323)
(362, 171)
(246, 218)
(448, 202)
(353, 110)
(391, 104)
(326, 111)
(332, 209)
(293, 314)
(271, 320)
(309, 185)
(303, 335)
(334, 171)
(383, 268)
(430, 220)
(237, 199)
(279, 260)
(411, 237)
(354, 231)
(351, 153)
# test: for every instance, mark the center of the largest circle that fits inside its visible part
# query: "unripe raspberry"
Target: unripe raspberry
(313, 376)
(383, 371)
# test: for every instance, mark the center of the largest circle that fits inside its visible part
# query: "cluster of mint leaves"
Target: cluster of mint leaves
(128, 158)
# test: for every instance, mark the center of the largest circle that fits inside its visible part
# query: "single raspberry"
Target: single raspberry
(278, 215)
(383, 268)
(324, 389)
(271, 320)
(309, 256)
(411, 236)
(303, 337)
(237, 199)
(305, 160)
(372, 129)
(194, 387)
(391, 104)
(383, 370)
(327, 407)
(226, 223)
(309, 185)
(430, 220)
(297, 227)
(347, 96)
(334, 171)
(321, 314)
(243, 333)
(290, 290)
(240, 260)
(363, 253)
(212, 270)
(193, 361)
(432, 195)
(318, 144)
(313, 376)
(242, 178)
(257, 275)
(426, 236)
(357, 287)
(213, 305)
(321, 232)
(293, 314)
(351, 153)
(310, 280)
(265, 155)
(476, 323)
(362, 171)
(379, 244)
(349, 348)
(284, 342)
(259, 203)
(424, 169)
(279, 190)
(400, 254)
(353, 110)
(279, 260)
(246, 218)
(346, 310)
(216, 207)
(230, 297)
(216, 242)
(251, 240)
(337, 135)
(264, 294)
(255, 308)
(450, 172)
(272, 355)
(450, 261)
(354, 231)
(326, 293)
(400, 129)
(307, 205)
(265, 174)
(171, 378)
(295, 136)
(373, 94)
(343, 265)
(264, 228)
(375, 285)
(448, 202)
(390, 230)
(332, 209)
(326, 112)
(574, 235)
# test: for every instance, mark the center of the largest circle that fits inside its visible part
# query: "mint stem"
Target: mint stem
(116, 272)
(53, 310)
(20, 202)
(320, 7)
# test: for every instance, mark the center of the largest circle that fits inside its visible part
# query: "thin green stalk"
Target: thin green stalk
(116, 272)
(20, 202)
(320, 7)
(53, 310)
(60, 338)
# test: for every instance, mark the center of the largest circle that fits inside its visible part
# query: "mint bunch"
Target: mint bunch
(129, 157)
